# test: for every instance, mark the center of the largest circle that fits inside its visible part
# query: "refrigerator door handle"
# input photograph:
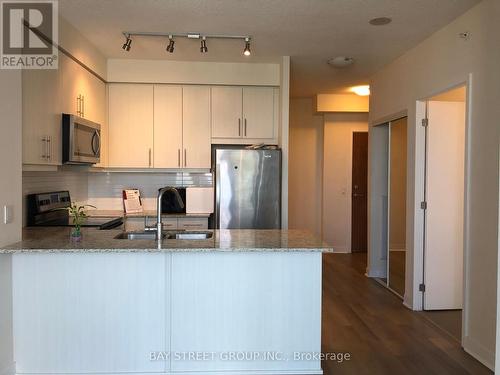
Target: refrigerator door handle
(217, 196)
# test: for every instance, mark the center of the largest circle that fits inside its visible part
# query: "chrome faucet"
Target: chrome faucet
(159, 225)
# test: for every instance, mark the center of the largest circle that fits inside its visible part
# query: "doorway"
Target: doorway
(359, 200)
(397, 206)
(443, 207)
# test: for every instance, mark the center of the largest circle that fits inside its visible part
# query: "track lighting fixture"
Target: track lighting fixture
(203, 48)
(171, 42)
(246, 51)
(128, 43)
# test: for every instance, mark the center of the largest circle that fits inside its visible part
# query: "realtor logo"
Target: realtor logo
(29, 34)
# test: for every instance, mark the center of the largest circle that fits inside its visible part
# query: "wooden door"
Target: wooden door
(167, 126)
(130, 125)
(359, 225)
(258, 112)
(227, 112)
(196, 126)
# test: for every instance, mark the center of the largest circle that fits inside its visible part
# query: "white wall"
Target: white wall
(10, 154)
(306, 166)
(10, 195)
(438, 63)
(337, 176)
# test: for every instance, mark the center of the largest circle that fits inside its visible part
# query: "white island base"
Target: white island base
(163, 313)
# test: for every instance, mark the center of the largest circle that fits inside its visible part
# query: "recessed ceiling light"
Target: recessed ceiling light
(361, 90)
(341, 61)
(380, 21)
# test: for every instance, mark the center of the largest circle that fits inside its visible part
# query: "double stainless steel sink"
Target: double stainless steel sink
(175, 235)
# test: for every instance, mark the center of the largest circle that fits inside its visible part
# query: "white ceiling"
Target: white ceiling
(310, 31)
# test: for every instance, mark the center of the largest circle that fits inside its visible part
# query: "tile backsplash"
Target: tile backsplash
(104, 189)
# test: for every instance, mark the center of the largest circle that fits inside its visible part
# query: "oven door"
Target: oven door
(82, 140)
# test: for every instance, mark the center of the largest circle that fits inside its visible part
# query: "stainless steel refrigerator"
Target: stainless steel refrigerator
(247, 189)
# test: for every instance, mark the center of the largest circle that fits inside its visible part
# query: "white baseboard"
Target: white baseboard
(223, 372)
(478, 351)
(9, 369)
(376, 273)
(341, 250)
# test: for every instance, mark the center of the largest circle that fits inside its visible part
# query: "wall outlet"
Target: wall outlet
(8, 214)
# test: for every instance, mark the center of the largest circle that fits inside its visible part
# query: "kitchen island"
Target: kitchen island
(240, 302)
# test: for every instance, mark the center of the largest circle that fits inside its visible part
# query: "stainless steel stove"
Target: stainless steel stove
(44, 210)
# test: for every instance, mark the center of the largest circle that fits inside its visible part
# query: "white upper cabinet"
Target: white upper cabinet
(244, 114)
(49, 93)
(130, 125)
(258, 112)
(226, 112)
(196, 126)
(42, 117)
(168, 148)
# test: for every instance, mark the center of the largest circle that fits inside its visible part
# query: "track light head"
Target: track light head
(203, 48)
(246, 51)
(128, 43)
(170, 47)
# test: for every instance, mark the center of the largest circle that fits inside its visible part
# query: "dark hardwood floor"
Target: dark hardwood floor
(363, 318)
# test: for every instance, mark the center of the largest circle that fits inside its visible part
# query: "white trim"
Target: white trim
(497, 348)
(478, 351)
(341, 250)
(222, 372)
(418, 255)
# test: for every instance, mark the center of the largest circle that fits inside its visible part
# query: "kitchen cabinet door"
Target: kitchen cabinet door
(196, 126)
(81, 314)
(41, 117)
(258, 112)
(167, 126)
(130, 125)
(95, 110)
(72, 83)
(226, 112)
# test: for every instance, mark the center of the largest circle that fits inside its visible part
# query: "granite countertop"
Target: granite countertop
(151, 213)
(57, 240)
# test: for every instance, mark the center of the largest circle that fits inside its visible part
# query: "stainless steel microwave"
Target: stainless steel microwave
(81, 140)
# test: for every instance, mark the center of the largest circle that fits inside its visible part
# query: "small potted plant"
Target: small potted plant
(78, 214)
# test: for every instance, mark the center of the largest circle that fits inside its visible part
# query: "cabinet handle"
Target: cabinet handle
(185, 157)
(49, 148)
(179, 157)
(44, 147)
(150, 157)
(245, 127)
(83, 106)
(239, 127)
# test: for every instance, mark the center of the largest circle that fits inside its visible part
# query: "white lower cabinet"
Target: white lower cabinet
(90, 313)
(169, 223)
(106, 313)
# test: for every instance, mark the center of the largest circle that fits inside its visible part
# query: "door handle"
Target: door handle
(96, 137)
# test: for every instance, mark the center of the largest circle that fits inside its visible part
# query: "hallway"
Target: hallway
(364, 319)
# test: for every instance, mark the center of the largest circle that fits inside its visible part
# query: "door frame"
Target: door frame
(419, 214)
(349, 190)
